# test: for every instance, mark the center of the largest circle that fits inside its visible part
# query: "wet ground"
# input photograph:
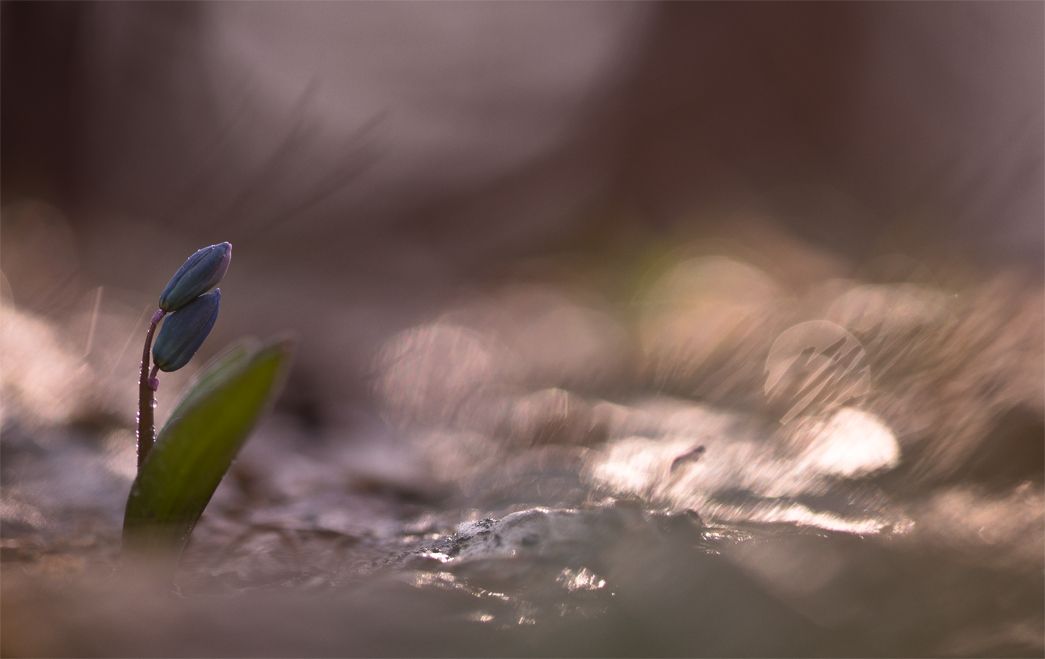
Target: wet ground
(718, 466)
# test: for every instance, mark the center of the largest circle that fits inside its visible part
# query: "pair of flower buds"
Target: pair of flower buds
(191, 311)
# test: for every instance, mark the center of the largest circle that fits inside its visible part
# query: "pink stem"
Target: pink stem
(147, 384)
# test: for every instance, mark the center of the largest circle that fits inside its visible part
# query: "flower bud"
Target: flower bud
(200, 273)
(184, 331)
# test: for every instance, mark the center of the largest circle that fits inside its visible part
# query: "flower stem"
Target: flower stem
(147, 384)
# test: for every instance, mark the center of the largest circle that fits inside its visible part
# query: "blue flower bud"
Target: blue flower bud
(200, 273)
(184, 331)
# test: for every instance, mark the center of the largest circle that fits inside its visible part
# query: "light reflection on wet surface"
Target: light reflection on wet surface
(768, 460)
(583, 579)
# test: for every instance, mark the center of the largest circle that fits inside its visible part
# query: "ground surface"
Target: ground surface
(854, 470)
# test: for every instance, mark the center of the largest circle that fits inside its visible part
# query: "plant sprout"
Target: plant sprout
(180, 467)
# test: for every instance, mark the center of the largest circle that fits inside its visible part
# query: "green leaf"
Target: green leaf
(214, 373)
(198, 444)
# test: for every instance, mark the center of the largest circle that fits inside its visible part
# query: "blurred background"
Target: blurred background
(727, 315)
